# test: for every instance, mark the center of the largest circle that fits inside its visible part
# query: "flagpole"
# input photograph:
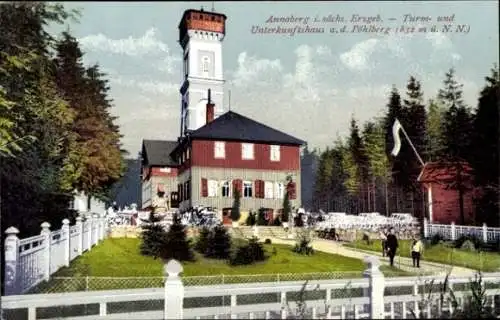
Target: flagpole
(412, 146)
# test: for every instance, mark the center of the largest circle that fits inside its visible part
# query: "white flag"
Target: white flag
(396, 127)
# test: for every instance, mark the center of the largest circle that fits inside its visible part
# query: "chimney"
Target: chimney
(210, 108)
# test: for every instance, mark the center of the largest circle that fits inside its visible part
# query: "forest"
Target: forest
(359, 174)
(57, 133)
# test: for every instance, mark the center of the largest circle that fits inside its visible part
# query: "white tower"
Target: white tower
(200, 36)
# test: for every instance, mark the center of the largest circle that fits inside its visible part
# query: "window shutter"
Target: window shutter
(258, 189)
(262, 189)
(292, 193)
(181, 193)
(238, 185)
(204, 187)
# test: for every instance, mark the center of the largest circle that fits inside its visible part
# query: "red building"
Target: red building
(443, 183)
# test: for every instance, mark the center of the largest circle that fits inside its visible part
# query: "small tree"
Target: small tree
(203, 240)
(153, 237)
(235, 210)
(219, 243)
(287, 208)
(176, 245)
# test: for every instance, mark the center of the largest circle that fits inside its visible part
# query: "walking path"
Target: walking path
(402, 263)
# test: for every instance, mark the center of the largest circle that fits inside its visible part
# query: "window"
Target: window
(212, 188)
(275, 153)
(269, 190)
(219, 150)
(205, 64)
(247, 151)
(279, 190)
(247, 189)
(225, 189)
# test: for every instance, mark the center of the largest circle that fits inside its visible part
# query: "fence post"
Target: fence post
(46, 250)
(90, 221)
(426, 228)
(11, 261)
(376, 287)
(66, 235)
(80, 235)
(101, 229)
(485, 233)
(97, 224)
(174, 291)
(453, 232)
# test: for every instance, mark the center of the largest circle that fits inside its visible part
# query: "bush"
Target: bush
(476, 242)
(176, 245)
(267, 241)
(277, 222)
(303, 243)
(218, 244)
(251, 219)
(366, 238)
(261, 217)
(436, 239)
(203, 240)
(249, 253)
(468, 245)
(299, 222)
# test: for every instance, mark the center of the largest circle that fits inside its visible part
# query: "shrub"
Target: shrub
(299, 222)
(436, 239)
(366, 238)
(303, 243)
(249, 253)
(477, 242)
(203, 240)
(219, 243)
(261, 217)
(287, 208)
(251, 219)
(235, 209)
(267, 241)
(153, 237)
(468, 245)
(176, 245)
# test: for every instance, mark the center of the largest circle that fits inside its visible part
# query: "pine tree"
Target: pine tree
(485, 144)
(176, 245)
(153, 237)
(235, 209)
(434, 142)
(457, 124)
(219, 243)
(203, 240)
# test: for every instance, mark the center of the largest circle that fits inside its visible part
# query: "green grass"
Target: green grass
(441, 253)
(119, 260)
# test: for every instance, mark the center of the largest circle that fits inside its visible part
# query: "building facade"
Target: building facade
(218, 152)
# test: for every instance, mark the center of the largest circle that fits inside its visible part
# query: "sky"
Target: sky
(308, 85)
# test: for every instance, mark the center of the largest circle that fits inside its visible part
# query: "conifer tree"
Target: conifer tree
(219, 243)
(176, 245)
(434, 142)
(235, 209)
(287, 208)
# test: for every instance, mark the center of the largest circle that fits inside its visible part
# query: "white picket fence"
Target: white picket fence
(453, 232)
(33, 260)
(376, 297)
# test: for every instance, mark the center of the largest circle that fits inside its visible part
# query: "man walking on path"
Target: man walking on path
(416, 250)
(383, 238)
(392, 246)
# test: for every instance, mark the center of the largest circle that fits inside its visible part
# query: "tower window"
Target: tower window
(205, 64)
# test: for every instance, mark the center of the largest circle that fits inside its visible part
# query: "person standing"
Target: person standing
(383, 239)
(416, 251)
(392, 246)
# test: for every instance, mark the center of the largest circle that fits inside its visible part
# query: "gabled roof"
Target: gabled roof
(443, 171)
(157, 152)
(232, 126)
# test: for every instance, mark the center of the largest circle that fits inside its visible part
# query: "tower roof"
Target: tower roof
(203, 21)
(233, 126)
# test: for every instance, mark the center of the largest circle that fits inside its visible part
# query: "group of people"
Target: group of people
(390, 246)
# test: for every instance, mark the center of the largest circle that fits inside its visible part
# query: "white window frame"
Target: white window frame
(212, 186)
(275, 153)
(247, 151)
(219, 150)
(268, 190)
(247, 185)
(205, 64)
(279, 191)
(224, 184)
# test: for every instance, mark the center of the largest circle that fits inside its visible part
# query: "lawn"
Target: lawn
(441, 253)
(118, 260)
